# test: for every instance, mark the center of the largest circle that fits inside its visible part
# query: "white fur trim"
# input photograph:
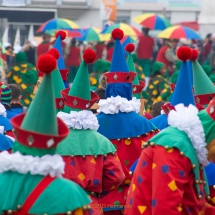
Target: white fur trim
(113, 105)
(13, 139)
(80, 120)
(3, 111)
(1, 129)
(52, 165)
(187, 120)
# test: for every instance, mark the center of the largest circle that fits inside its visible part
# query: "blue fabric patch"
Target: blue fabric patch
(189, 210)
(65, 84)
(123, 125)
(111, 172)
(181, 173)
(5, 143)
(17, 110)
(165, 169)
(210, 173)
(154, 202)
(190, 71)
(95, 181)
(91, 212)
(73, 163)
(133, 167)
(131, 201)
(201, 193)
(120, 89)
(6, 123)
(58, 46)
(144, 163)
(10, 114)
(139, 180)
(160, 121)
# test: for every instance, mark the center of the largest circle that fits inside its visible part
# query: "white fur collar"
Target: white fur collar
(113, 105)
(52, 165)
(187, 120)
(3, 111)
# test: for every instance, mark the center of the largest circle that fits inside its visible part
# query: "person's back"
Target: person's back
(30, 51)
(15, 104)
(44, 46)
(161, 56)
(145, 47)
(99, 49)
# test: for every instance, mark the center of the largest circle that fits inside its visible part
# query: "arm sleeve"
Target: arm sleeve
(113, 174)
(169, 175)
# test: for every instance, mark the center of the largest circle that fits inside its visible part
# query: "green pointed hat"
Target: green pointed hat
(204, 89)
(80, 96)
(137, 85)
(40, 128)
(57, 81)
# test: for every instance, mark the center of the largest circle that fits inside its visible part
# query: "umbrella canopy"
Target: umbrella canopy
(127, 29)
(58, 24)
(93, 34)
(153, 21)
(178, 32)
(76, 33)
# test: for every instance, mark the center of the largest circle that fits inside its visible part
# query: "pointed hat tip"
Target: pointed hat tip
(54, 52)
(89, 56)
(184, 53)
(46, 63)
(130, 47)
(62, 35)
(117, 33)
(194, 55)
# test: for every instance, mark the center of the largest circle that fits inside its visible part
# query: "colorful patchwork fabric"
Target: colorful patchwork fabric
(26, 76)
(165, 186)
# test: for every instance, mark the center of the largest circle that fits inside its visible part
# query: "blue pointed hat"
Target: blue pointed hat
(190, 71)
(60, 36)
(119, 79)
(183, 92)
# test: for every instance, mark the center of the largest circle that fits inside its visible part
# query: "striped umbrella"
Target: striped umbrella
(127, 29)
(58, 24)
(153, 21)
(76, 33)
(178, 32)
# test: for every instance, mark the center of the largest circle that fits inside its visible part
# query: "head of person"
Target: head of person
(158, 68)
(173, 43)
(46, 38)
(21, 57)
(208, 37)
(145, 31)
(15, 92)
(73, 42)
(9, 49)
(156, 108)
(6, 95)
(89, 46)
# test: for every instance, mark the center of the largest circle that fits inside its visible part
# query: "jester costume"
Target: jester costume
(121, 123)
(25, 75)
(34, 184)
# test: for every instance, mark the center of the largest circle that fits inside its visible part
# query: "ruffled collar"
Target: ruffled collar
(187, 120)
(114, 105)
(34, 165)
(80, 120)
(3, 111)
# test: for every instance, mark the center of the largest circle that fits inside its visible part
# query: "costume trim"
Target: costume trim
(113, 105)
(52, 165)
(79, 120)
(3, 111)
(187, 120)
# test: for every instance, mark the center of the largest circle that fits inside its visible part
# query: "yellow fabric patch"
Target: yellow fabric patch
(159, 98)
(15, 77)
(154, 92)
(23, 71)
(143, 143)
(164, 91)
(32, 96)
(93, 161)
(79, 211)
(16, 68)
(155, 82)
(133, 187)
(9, 74)
(113, 187)
(127, 142)
(180, 208)
(200, 213)
(172, 185)
(143, 76)
(81, 176)
(24, 65)
(18, 80)
(142, 209)
(153, 165)
(170, 150)
(151, 86)
(27, 101)
(127, 181)
(213, 200)
(93, 80)
(117, 158)
(23, 86)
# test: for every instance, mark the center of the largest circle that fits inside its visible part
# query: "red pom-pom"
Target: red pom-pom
(54, 52)
(130, 47)
(184, 53)
(62, 34)
(46, 63)
(117, 34)
(89, 56)
(194, 55)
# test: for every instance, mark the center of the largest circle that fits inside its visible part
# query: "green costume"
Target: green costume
(25, 75)
(35, 184)
(158, 88)
(174, 76)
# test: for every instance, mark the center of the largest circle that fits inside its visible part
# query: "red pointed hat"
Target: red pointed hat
(39, 127)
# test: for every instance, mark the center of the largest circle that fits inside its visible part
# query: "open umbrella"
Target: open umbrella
(153, 21)
(127, 29)
(76, 33)
(178, 32)
(93, 34)
(58, 24)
